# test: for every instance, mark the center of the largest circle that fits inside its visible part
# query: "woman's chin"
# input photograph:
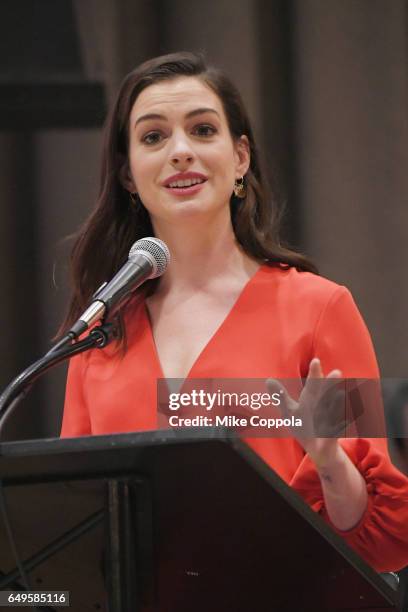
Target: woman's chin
(192, 208)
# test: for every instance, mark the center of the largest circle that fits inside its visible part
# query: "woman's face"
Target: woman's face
(182, 158)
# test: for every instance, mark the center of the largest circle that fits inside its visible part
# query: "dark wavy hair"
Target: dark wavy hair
(103, 242)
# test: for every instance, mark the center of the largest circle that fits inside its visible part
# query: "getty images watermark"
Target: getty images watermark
(273, 408)
(223, 400)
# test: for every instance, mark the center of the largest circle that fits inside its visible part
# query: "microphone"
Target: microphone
(148, 258)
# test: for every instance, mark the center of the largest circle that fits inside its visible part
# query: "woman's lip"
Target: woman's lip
(182, 176)
(183, 191)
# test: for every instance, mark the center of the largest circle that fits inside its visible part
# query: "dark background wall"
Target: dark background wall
(325, 82)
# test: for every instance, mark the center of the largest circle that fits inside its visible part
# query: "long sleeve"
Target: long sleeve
(76, 420)
(342, 341)
(381, 536)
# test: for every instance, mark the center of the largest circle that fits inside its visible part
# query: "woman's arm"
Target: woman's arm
(76, 421)
(344, 488)
(381, 536)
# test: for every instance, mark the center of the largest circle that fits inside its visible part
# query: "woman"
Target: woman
(180, 163)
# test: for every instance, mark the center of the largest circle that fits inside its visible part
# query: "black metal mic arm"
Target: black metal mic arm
(99, 337)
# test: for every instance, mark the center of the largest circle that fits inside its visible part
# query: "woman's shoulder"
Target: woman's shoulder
(300, 285)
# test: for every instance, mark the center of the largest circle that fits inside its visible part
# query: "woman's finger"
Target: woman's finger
(287, 403)
(315, 368)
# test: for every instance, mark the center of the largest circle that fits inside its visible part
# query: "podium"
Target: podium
(173, 521)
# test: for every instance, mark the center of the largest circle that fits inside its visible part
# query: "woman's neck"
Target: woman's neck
(201, 258)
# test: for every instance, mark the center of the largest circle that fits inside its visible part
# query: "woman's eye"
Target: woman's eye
(152, 138)
(204, 130)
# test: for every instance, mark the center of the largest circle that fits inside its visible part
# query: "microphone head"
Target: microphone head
(156, 251)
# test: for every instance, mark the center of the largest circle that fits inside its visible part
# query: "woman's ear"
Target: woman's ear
(125, 177)
(242, 156)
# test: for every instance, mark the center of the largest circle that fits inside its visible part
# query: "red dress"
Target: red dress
(281, 320)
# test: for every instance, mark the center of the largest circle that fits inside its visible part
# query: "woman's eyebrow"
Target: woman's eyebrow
(193, 113)
(201, 111)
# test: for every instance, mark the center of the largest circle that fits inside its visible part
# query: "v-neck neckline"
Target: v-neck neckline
(212, 338)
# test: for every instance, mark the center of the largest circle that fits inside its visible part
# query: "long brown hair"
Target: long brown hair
(102, 244)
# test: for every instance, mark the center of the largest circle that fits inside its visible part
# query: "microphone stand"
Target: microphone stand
(99, 337)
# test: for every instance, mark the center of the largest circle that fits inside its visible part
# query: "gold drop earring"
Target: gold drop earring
(239, 187)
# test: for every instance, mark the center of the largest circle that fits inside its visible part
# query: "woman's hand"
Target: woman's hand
(322, 409)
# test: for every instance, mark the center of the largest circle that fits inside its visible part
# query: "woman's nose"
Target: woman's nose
(181, 152)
